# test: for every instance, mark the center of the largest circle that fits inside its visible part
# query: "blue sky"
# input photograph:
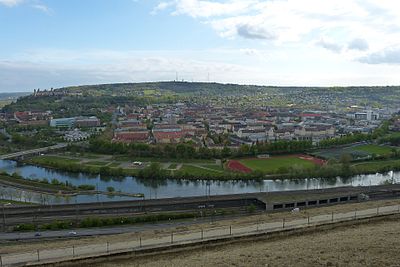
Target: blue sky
(58, 43)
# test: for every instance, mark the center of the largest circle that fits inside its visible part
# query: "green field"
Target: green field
(85, 155)
(357, 152)
(114, 164)
(97, 163)
(372, 166)
(272, 165)
(213, 166)
(394, 134)
(148, 92)
(4, 103)
(55, 159)
(161, 160)
(193, 170)
(173, 166)
(89, 156)
(374, 149)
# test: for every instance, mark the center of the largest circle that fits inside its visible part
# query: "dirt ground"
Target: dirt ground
(372, 244)
(18, 247)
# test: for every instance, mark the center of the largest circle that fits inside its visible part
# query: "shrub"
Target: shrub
(54, 181)
(110, 189)
(86, 187)
(251, 208)
(25, 227)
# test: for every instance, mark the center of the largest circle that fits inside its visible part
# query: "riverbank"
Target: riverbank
(55, 188)
(14, 202)
(155, 188)
(196, 170)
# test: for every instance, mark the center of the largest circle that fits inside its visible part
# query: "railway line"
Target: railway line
(274, 201)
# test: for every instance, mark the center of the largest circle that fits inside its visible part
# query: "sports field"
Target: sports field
(357, 151)
(374, 149)
(272, 165)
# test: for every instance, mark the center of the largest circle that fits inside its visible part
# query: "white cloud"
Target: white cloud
(160, 7)
(330, 45)
(360, 26)
(10, 3)
(386, 56)
(43, 8)
(254, 32)
(34, 4)
(249, 51)
(206, 9)
(358, 44)
(55, 68)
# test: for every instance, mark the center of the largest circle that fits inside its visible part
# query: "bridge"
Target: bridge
(32, 151)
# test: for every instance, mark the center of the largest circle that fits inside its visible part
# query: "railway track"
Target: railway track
(12, 215)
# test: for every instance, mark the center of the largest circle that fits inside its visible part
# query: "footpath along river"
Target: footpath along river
(166, 188)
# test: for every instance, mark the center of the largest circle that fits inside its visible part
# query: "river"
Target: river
(166, 188)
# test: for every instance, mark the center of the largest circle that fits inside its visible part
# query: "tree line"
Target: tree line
(190, 151)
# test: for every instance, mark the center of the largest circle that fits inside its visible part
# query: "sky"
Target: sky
(55, 43)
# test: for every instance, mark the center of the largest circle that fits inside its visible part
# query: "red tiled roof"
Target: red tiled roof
(132, 136)
(168, 135)
(310, 115)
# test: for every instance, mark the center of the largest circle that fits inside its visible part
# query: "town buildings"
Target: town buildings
(216, 124)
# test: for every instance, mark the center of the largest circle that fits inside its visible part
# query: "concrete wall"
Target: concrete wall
(311, 203)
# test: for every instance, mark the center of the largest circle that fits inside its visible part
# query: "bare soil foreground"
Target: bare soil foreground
(372, 244)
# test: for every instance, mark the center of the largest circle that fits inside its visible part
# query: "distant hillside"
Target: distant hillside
(202, 88)
(85, 99)
(171, 87)
(90, 99)
(12, 96)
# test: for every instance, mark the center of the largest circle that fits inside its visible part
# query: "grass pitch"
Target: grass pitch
(272, 165)
(374, 149)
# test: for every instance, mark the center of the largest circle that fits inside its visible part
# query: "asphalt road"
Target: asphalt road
(81, 232)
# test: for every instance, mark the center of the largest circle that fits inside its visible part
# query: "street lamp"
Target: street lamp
(4, 215)
(208, 189)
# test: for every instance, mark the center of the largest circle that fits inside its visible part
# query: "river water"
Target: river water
(166, 188)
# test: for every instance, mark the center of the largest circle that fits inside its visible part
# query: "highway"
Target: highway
(82, 232)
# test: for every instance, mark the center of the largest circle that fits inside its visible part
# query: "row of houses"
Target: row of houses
(160, 133)
(200, 123)
(311, 132)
